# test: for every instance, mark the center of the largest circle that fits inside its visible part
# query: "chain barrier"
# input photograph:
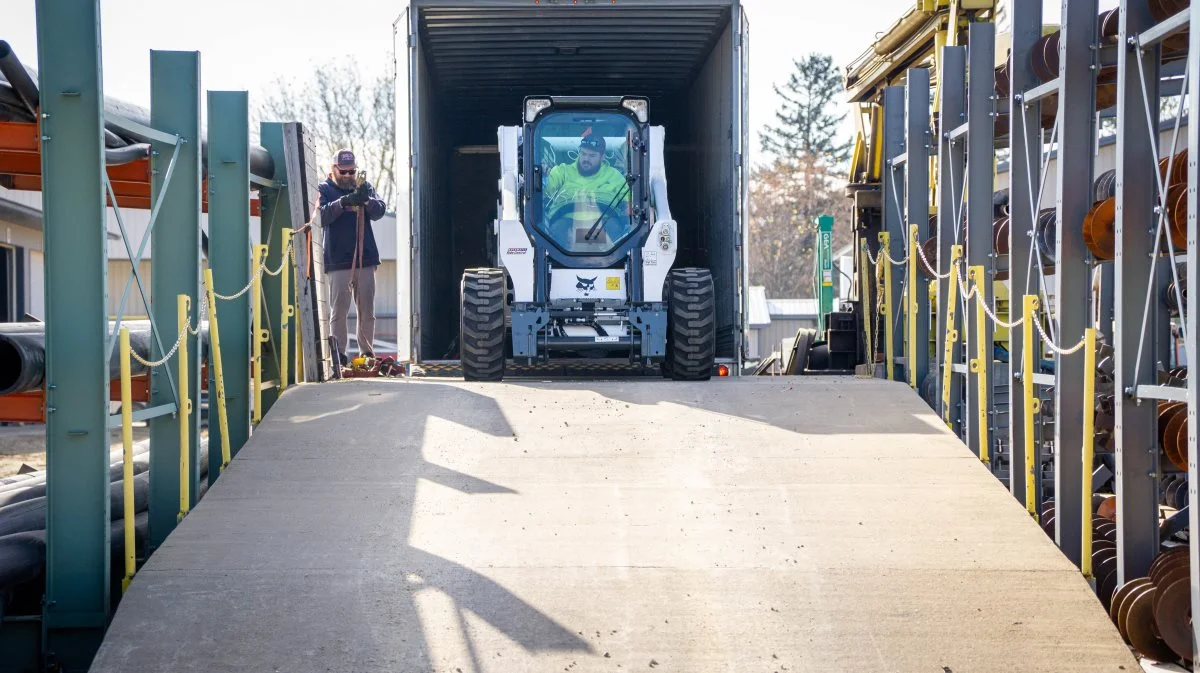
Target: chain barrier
(288, 254)
(936, 275)
(1055, 347)
(262, 268)
(166, 358)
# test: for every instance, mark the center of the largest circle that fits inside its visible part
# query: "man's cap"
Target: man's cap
(344, 158)
(592, 141)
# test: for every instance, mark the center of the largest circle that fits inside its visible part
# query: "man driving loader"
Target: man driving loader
(580, 194)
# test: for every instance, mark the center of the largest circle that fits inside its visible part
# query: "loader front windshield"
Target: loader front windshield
(585, 205)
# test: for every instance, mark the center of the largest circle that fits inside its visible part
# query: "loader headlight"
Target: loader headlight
(533, 106)
(639, 107)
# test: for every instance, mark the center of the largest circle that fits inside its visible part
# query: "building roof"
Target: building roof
(793, 308)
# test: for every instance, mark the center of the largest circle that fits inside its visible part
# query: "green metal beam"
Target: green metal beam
(175, 270)
(75, 239)
(275, 226)
(229, 259)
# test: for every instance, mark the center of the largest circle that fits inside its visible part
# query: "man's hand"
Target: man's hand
(363, 191)
(352, 199)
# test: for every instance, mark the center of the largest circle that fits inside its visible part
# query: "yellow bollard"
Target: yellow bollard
(865, 272)
(885, 248)
(185, 410)
(981, 360)
(256, 341)
(214, 340)
(127, 444)
(1032, 404)
(285, 317)
(913, 311)
(1089, 439)
(951, 334)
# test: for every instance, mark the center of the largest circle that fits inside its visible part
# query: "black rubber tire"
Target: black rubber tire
(691, 324)
(481, 333)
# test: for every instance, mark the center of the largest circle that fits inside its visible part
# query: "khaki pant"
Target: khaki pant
(364, 300)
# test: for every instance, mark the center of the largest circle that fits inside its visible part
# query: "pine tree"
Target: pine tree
(808, 122)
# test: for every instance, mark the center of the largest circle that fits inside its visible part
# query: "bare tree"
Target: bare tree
(339, 109)
(786, 198)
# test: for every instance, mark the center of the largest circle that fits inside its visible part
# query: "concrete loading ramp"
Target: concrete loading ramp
(739, 525)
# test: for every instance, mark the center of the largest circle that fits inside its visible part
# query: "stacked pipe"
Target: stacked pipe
(23, 504)
(1044, 62)
(20, 98)
(1153, 613)
(23, 352)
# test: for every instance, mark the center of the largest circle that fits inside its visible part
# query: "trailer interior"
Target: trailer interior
(470, 70)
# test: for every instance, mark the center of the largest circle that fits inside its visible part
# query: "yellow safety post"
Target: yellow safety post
(285, 316)
(256, 341)
(185, 409)
(214, 345)
(913, 310)
(127, 443)
(980, 361)
(884, 260)
(865, 272)
(1032, 404)
(956, 252)
(1089, 439)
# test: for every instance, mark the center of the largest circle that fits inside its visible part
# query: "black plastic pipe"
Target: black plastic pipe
(25, 89)
(18, 78)
(23, 352)
(116, 156)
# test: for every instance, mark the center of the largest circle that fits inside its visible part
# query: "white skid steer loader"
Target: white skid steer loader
(584, 245)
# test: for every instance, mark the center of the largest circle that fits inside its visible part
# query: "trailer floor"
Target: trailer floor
(761, 524)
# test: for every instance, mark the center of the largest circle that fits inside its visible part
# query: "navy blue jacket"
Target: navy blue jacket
(341, 228)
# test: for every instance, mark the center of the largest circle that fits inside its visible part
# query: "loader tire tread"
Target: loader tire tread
(481, 326)
(691, 328)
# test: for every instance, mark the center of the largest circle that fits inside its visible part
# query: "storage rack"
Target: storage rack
(1098, 66)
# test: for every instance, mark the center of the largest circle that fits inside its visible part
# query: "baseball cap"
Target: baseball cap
(344, 158)
(592, 141)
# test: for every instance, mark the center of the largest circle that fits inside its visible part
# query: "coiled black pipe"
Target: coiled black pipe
(25, 88)
(141, 463)
(116, 156)
(31, 514)
(18, 78)
(23, 353)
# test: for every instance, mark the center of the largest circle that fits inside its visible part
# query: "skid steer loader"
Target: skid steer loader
(584, 245)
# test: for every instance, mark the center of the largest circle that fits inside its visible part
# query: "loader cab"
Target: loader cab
(583, 163)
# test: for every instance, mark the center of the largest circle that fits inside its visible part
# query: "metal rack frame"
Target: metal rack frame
(1138, 327)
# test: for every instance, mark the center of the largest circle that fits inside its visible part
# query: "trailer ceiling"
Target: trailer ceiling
(489, 56)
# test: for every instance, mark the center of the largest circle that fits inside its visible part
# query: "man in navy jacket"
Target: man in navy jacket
(350, 251)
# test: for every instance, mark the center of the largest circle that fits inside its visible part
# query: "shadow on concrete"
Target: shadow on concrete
(819, 405)
(312, 524)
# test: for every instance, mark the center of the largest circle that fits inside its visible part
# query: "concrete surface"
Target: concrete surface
(751, 525)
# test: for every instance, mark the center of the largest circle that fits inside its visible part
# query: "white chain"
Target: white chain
(203, 312)
(978, 296)
(166, 358)
(931, 267)
(283, 264)
(888, 257)
(1054, 347)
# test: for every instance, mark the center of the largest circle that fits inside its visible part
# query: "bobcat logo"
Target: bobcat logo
(588, 285)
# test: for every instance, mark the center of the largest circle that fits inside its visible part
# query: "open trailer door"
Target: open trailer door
(407, 267)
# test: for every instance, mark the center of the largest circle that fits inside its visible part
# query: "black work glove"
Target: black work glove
(352, 199)
(364, 191)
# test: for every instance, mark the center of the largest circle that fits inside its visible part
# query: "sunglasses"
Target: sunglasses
(352, 171)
